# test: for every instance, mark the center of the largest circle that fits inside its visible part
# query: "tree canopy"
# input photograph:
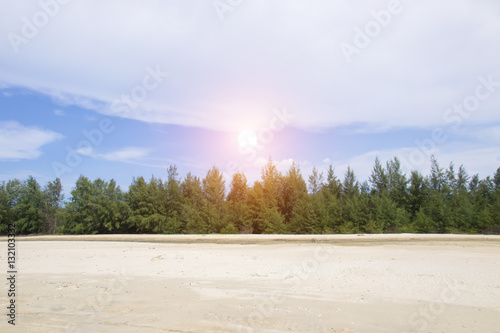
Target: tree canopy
(445, 201)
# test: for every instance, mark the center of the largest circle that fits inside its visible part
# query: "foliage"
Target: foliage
(445, 201)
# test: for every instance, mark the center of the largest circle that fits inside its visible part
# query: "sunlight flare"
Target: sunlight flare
(247, 139)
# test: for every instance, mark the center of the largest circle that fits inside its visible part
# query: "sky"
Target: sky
(123, 89)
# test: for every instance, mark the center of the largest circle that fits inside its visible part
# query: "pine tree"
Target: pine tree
(330, 211)
(272, 184)
(446, 201)
(9, 198)
(4, 209)
(388, 216)
(423, 223)
(496, 180)
(30, 208)
(333, 184)
(155, 220)
(460, 201)
(397, 183)
(379, 178)
(192, 203)
(437, 206)
(437, 178)
(297, 207)
(350, 186)
(315, 181)
(53, 199)
(484, 203)
(214, 194)
(269, 217)
(174, 224)
(320, 201)
(78, 217)
(138, 201)
(238, 213)
(266, 217)
(495, 207)
(114, 211)
(354, 206)
(389, 199)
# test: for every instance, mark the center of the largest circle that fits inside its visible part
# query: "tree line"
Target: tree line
(390, 201)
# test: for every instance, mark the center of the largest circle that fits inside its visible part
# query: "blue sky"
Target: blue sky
(177, 82)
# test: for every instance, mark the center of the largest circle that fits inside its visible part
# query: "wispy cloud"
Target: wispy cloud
(90, 117)
(488, 134)
(59, 112)
(125, 155)
(19, 142)
(22, 174)
(225, 74)
(480, 160)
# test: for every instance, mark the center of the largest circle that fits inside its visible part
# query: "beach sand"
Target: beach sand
(255, 283)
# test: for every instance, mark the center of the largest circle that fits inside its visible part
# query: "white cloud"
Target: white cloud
(19, 142)
(86, 151)
(489, 134)
(483, 161)
(227, 74)
(90, 117)
(59, 112)
(475, 160)
(23, 174)
(127, 155)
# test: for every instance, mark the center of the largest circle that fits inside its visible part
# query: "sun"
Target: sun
(247, 139)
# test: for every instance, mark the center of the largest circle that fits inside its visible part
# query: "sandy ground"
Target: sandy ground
(365, 283)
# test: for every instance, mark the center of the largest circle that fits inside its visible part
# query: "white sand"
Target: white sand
(370, 283)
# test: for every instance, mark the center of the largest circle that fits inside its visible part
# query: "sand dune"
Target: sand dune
(248, 283)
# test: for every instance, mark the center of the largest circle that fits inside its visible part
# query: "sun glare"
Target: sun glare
(247, 139)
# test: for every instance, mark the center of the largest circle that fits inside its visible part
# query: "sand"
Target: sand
(354, 283)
